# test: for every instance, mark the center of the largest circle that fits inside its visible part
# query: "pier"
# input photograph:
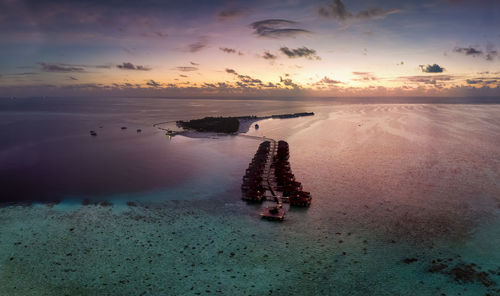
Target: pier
(269, 178)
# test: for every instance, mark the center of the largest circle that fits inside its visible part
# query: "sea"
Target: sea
(405, 198)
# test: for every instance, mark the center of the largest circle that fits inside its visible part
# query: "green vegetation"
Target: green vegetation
(212, 124)
(294, 115)
(229, 125)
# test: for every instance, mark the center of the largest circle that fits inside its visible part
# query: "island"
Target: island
(226, 125)
(230, 125)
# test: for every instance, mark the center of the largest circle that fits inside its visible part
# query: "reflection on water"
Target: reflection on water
(405, 198)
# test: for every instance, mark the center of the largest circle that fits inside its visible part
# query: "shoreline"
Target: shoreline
(222, 125)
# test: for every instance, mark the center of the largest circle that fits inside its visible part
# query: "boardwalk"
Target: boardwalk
(269, 182)
(276, 212)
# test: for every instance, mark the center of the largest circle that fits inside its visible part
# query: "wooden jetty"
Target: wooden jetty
(274, 213)
(269, 178)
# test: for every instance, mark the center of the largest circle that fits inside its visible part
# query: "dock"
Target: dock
(269, 178)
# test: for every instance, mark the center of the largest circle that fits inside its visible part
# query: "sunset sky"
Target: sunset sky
(250, 48)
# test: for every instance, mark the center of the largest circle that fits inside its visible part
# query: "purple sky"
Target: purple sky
(243, 48)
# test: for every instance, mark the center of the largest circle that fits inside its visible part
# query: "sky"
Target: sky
(250, 48)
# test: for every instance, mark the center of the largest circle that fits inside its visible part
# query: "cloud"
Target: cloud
(269, 56)
(289, 82)
(182, 75)
(489, 54)
(245, 80)
(72, 78)
(186, 69)
(60, 68)
(23, 74)
(376, 13)
(482, 81)
(194, 64)
(337, 10)
(198, 45)
(300, 52)
(103, 66)
(277, 28)
(130, 66)
(153, 83)
(468, 51)
(328, 81)
(248, 79)
(364, 76)
(431, 68)
(474, 81)
(227, 50)
(432, 80)
(230, 50)
(230, 14)
(160, 34)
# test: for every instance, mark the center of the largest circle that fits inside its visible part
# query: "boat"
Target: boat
(93, 133)
(139, 130)
(124, 127)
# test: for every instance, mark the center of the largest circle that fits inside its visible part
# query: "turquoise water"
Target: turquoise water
(389, 182)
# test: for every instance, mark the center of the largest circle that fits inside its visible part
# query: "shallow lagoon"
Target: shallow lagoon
(389, 182)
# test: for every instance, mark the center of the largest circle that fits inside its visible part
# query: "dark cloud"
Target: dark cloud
(337, 10)
(431, 68)
(182, 75)
(269, 56)
(153, 83)
(61, 68)
(24, 74)
(276, 28)
(482, 81)
(468, 51)
(300, 52)
(160, 34)
(85, 66)
(289, 82)
(474, 81)
(230, 50)
(186, 69)
(130, 66)
(227, 50)
(269, 85)
(245, 80)
(198, 45)
(376, 13)
(248, 79)
(489, 54)
(230, 14)
(103, 66)
(431, 80)
(472, 2)
(209, 85)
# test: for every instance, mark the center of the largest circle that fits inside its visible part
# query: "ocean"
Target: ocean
(406, 199)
